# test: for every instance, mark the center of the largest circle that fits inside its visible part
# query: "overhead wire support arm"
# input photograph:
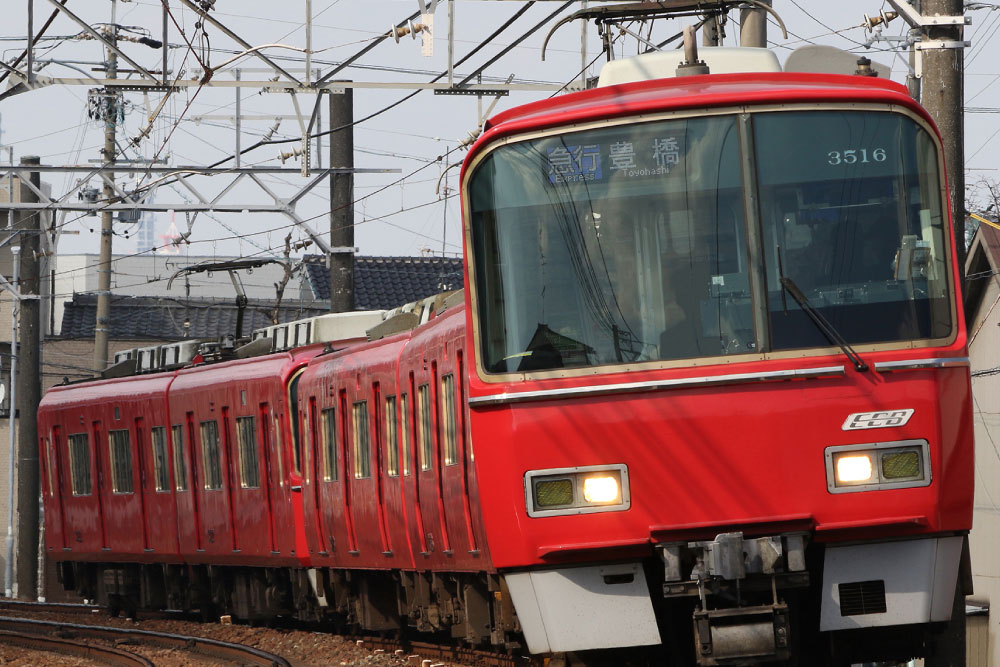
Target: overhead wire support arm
(100, 38)
(239, 40)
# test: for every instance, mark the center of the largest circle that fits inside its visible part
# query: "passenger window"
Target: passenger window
(407, 430)
(51, 461)
(180, 469)
(210, 455)
(362, 442)
(246, 434)
(79, 464)
(121, 461)
(391, 438)
(161, 474)
(448, 417)
(424, 425)
(329, 418)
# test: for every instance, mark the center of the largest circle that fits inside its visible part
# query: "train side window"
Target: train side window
(210, 455)
(448, 413)
(362, 441)
(79, 464)
(405, 435)
(180, 469)
(424, 425)
(329, 418)
(161, 473)
(121, 461)
(50, 460)
(246, 435)
(277, 448)
(391, 438)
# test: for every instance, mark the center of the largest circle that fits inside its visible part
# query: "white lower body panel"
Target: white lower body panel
(918, 578)
(584, 608)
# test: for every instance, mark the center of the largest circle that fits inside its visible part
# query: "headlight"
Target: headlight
(881, 465)
(582, 490)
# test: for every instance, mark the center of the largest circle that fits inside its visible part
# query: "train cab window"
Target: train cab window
(853, 217)
(161, 472)
(406, 434)
(362, 441)
(616, 245)
(210, 455)
(391, 438)
(79, 464)
(448, 420)
(425, 442)
(246, 436)
(78, 445)
(329, 426)
(121, 461)
(180, 467)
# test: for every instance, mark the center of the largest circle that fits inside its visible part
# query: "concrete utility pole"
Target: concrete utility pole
(110, 112)
(942, 94)
(753, 26)
(341, 206)
(29, 393)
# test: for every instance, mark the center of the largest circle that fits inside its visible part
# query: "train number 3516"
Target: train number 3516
(852, 155)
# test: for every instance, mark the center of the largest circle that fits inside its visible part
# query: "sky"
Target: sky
(395, 213)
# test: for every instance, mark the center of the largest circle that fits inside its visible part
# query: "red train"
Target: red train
(705, 395)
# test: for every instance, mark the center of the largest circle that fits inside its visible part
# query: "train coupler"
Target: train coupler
(736, 636)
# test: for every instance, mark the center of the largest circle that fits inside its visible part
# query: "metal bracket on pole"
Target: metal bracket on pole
(918, 20)
(927, 45)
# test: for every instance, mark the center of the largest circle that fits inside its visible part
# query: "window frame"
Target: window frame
(180, 463)
(161, 461)
(211, 461)
(248, 452)
(425, 430)
(75, 471)
(361, 442)
(328, 428)
(391, 408)
(121, 461)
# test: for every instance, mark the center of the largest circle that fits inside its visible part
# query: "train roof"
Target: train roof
(691, 92)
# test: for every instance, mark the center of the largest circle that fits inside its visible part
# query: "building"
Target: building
(982, 312)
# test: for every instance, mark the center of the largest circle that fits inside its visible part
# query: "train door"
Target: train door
(377, 474)
(314, 476)
(50, 446)
(352, 539)
(411, 462)
(293, 457)
(141, 462)
(97, 440)
(429, 474)
(228, 463)
(196, 483)
(453, 458)
(271, 482)
(250, 493)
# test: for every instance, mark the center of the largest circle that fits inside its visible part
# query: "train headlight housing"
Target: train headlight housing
(878, 466)
(582, 490)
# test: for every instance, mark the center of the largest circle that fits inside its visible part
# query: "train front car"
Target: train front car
(721, 401)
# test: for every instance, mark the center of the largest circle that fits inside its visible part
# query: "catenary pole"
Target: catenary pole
(942, 94)
(341, 198)
(29, 393)
(110, 113)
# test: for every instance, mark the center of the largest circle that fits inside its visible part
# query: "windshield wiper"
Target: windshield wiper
(822, 323)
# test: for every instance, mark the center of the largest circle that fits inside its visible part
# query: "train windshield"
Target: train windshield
(632, 243)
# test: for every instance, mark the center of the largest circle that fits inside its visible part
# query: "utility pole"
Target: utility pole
(110, 111)
(341, 202)
(710, 32)
(753, 26)
(942, 93)
(29, 393)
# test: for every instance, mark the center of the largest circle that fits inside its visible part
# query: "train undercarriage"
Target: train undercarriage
(722, 602)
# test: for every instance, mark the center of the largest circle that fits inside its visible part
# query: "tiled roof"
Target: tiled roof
(159, 318)
(381, 283)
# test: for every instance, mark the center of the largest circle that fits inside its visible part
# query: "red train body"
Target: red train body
(438, 475)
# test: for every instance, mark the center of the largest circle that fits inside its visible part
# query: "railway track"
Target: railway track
(102, 654)
(426, 650)
(237, 654)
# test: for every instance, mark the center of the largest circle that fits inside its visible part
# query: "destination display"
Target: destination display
(645, 157)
